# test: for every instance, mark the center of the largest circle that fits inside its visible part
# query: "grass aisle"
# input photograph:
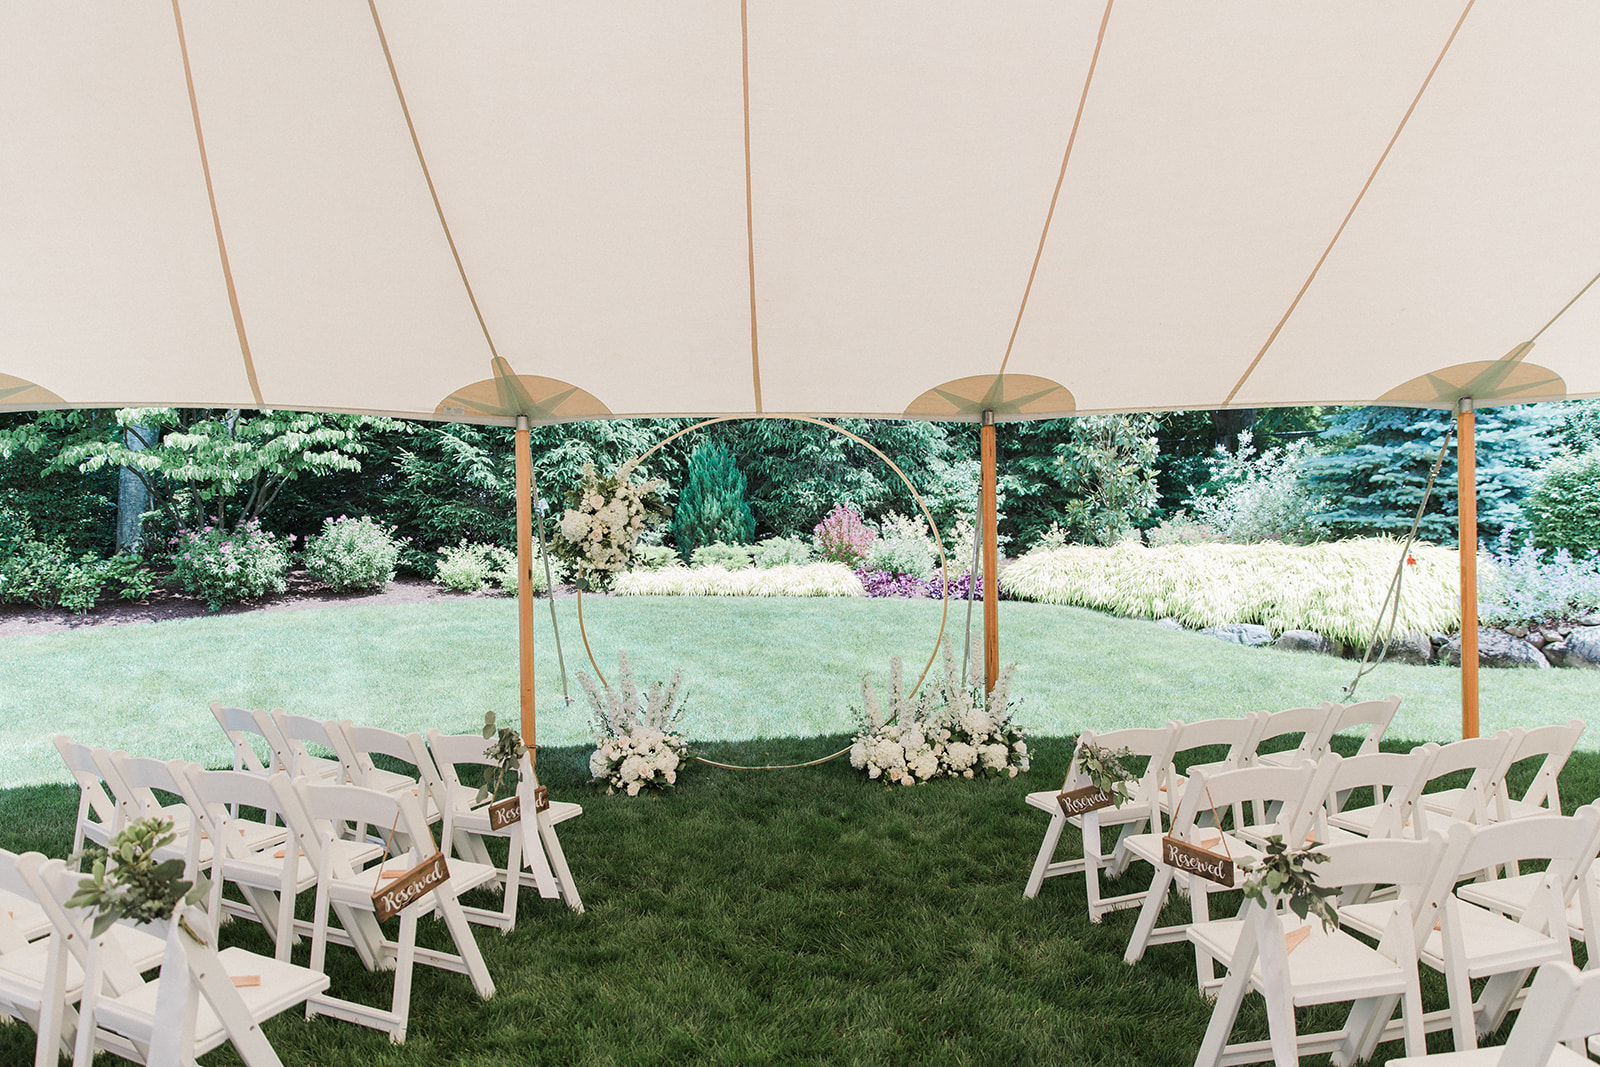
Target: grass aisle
(753, 668)
(793, 917)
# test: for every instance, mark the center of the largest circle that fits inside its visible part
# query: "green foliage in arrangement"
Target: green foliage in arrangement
(125, 880)
(1564, 508)
(728, 557)
(1105, 771)
(1335, 589)
(1375, 463)
(711, 505)
(227, 566)
(1255, 496)
(1283, 874)
(352, 554)
(778, 551)
(1107, 466)
(812, 579)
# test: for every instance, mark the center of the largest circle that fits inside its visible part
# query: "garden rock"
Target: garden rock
(1169, 623)
(1496, 648)
(1303, 641)
(1241, 633)
(1583, 648)
(1556, 653)
(1414, 647)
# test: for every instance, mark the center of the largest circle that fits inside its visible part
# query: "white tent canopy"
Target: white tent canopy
(834, 207)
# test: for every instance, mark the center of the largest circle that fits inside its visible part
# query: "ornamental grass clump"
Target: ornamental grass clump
(638, 742)
(813, 579)
(228, 566)
(1336, 589)
(947, 730)
(352, 554)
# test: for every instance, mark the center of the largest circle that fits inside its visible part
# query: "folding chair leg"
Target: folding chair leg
(1364, 1029)
(1229, 998)
(558, 860)
(1153, 901)
(1496, 1000)
(1274, 960)
(1047, 851)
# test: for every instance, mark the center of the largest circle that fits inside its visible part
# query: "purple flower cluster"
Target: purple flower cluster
(884, 583)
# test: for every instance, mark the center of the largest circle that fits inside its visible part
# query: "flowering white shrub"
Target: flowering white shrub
(811, 579)
(352, 554)
(637, 744)
(948, 730)
(604, 520)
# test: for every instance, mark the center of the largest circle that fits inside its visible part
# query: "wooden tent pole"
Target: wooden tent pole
(525, 582)
(1467, 540)
(991, 557)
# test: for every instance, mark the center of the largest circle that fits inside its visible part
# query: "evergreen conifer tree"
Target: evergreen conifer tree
(1377, 460)
(712, 506)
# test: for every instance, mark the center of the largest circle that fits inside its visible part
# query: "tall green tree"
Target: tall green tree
(1107, 466)
(1376, 462)
(711, 505)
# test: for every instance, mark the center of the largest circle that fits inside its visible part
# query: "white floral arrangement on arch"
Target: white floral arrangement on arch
(947, 731)
(603, 521)
(638, 744)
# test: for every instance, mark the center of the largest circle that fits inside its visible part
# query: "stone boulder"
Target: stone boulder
(1241, 633)
(1303, 641)
(1169, 623)
(1582, 648)
(1496, 648)
(1414, 648)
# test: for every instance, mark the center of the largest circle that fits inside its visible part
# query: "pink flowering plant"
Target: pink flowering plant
(948, 730)
(603, 521)
(844, 537)
(228, 566)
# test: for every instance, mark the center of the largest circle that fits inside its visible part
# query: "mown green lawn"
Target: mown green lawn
(753, 668)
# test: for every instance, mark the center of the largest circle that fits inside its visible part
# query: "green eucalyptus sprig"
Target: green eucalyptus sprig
(508, 751)
(126, 882)
(1105, 770)
(1282, 873)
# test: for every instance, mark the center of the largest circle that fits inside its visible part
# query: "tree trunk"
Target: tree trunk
(133, 497)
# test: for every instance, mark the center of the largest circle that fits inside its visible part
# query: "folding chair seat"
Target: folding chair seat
(1563, 1006)
(1552, 745)
(201, 999)
(267, 873)
(467, 826)
(23, 915)
(1472, 942)
(40, 980)
(97, 812)
(287, 736)
(1215, 794)
(1326, 966)
(1313, 725)
(1485, 757)
(1141, 811)
(343, 885)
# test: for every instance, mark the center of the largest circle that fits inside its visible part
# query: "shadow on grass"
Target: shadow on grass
(795, 916)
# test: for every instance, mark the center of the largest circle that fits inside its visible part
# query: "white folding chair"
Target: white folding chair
(1563, 1006)
(341, 884)
(1473, 942)
(1552, 745)
(201, 999)
(239, 725)
(1485, 757)
(287, 735)
(1142, 810)
(1375, 715)
(467, 825)
(97, 812)
(1312, 725)
(355, 745)
(1235, 734)
(1214, 794)
(1395, 780)
(1326, 965)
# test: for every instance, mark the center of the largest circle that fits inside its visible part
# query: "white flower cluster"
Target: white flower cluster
(608, 517)
(636, 744)
(948, 731)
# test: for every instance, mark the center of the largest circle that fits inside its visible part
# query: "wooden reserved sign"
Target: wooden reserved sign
(541, 798)
(1083, 801)
(504, 813)
(1192, 859)
(408, 888)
